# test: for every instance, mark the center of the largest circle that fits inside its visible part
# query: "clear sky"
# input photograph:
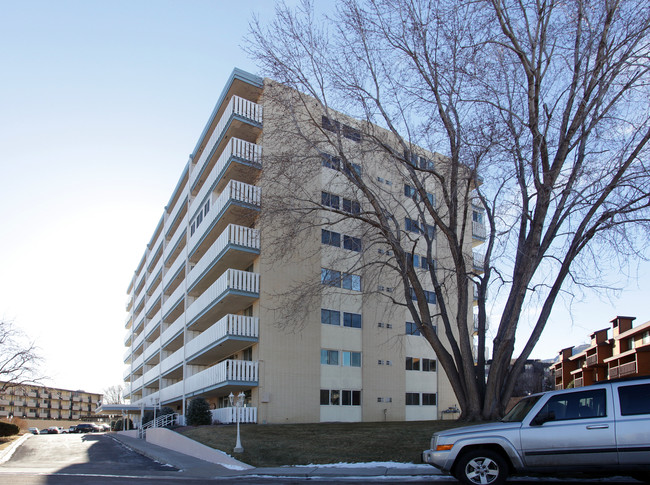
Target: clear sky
(101, 103)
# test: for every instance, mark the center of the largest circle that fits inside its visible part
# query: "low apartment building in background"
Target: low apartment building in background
(202, 316)
(41, 402)
(625, 354)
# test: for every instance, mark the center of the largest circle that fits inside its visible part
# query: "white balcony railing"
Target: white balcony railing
(152, 276)
(232, 279)
(172, 330)
(181, 202)
(478, 230)
(228, 370)
(137, 384)
(233, 234)
(229, 415)
(236, 148)
(151, 324)
(179, 233)
(172, 300)
(171, 361)
(152, 374)
(151, 349)
(138, 340)
(230, 325)
(169, 393)
(237, 106)
(169, 274)
(139, 361)
(234, 191)
(151, 302)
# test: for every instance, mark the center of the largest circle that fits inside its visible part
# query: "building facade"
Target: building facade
(625, 354)
(204, 317)
(40, 402)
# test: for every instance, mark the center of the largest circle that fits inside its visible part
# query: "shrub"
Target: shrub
(198, 412)
(119, 425)
(8, 429)
(148, 415)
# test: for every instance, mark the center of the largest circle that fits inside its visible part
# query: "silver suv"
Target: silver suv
(603, 429)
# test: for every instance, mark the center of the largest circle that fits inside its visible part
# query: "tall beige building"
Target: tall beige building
(205, 316)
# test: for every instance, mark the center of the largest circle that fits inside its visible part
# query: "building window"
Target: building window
(352, 320)
(630, 343)
(330, 238)
(329, 357)
(206, 208)
(337, 127)
(429, 365)
(352, 243)
(330, 161)
(330, 277)
(380, 324)
(335, 397)
(430, 296)
(330, 317)
(412, 363)
(412, 329)
(351, 359)
(428, 399)
(351, 398)
(355, 166)
(412, 193)
(351, 206)
(330, 200)
(646, 337)
(412, 399)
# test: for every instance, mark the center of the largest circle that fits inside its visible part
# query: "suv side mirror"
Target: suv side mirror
(542, 418)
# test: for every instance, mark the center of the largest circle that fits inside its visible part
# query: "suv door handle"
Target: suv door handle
(598, 426)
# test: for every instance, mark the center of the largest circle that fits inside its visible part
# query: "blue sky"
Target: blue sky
(100, 105)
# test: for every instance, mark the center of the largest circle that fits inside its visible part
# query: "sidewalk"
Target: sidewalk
(195, 467)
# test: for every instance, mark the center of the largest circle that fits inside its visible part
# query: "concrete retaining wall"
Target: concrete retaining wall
(177, 442)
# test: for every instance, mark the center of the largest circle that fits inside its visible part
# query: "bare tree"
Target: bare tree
(114, 395)
(541, 111)
(19, 358)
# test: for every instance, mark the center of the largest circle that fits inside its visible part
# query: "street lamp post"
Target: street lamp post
(237, 404)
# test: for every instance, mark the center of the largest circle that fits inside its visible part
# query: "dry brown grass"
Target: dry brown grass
(303, 444)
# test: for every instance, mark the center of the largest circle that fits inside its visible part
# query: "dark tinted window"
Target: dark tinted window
(634, 399)
(576, 405)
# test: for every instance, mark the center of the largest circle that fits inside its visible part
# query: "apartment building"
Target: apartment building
(204, 316)
(625, 354)
(40, 402)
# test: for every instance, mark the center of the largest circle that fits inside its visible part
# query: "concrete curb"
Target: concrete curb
(9, 451)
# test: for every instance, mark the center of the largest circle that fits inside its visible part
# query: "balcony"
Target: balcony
(173, 335)
(479, 233)
(229, 335)
(171, 393)
(478, 261)
(137, 384)
(229, 374)
(172, 302)
(128, 321)
(232, 292)
(234, 163)
(171, 367)
(173, 221)
(622, 370)
(152, 374)
(129, 302)
(152, 349)
(176, 243)
(239, 202)
(239, 111)
(236, 247)
(592, 360)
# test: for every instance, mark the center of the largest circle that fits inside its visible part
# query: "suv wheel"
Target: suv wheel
(481, 467)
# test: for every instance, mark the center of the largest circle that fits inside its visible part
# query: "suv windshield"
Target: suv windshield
(519, 412)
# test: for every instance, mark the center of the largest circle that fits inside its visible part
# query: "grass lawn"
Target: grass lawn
(303, 444)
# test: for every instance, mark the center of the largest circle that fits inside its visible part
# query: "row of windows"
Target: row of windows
(411, 192)
(333, 317)
(347, 358)
(418, 161)
(430, 296)
(415, 363)
(336, 397)
(414, 226)
(427, 399)
(332, 238)
(340, 203)
(337, 279)
(334, 163)
(337, 127)
(418, 261)
(199, 217)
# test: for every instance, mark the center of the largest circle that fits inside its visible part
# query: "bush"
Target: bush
(198, 412)
(8, 429)
(119, 425)
(148, 415)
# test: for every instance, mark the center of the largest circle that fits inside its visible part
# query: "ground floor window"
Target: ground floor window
(336, 397)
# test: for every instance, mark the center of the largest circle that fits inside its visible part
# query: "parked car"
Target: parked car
(72, 429)
(63, 430)
(87, 428)
(104, 427)
(602, 429)
(53, 430)
(33, 430)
